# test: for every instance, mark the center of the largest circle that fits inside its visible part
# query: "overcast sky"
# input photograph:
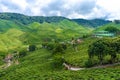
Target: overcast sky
(87, 9)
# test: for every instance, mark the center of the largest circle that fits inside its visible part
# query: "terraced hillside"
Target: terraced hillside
(42, 65)
(45, 62)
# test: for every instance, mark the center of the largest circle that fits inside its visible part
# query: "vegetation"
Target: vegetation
(32, 47)
(92, 23)
(104, 47)
(113, 30)
(49, 41)
(29, 19)
(112, 25)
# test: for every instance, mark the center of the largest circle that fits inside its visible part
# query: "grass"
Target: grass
(108, 25)
(10, 40)
(40, 64)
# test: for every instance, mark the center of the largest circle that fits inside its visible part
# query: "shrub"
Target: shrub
(64, 46)
(57, 61)
(32, 47)
(22, 53)
(50, 46)
(89, 63)
(58, 48)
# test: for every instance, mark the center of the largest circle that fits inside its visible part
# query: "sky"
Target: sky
(87, 9)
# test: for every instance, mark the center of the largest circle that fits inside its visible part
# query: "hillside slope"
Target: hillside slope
(10, 40)
(108, 25)
(24, 19)
(8, 24)
(35, 32)
(41, 65)
(63, 30)
(91, 23)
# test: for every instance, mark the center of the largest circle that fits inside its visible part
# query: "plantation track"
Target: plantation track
(72, 68)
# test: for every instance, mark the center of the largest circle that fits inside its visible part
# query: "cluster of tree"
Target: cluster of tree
(117, 21)
(112, 30)
(104, 47)
(23, 52)
(55, 47)
(29, 19)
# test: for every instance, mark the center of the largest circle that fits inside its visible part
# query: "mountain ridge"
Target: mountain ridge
(25, 19)
(91, 23)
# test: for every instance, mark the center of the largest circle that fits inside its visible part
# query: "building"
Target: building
(101, 34)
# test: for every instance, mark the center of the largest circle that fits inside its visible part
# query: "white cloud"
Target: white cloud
(110, 6)
(4, 8)
(108, 9)
(21, 3)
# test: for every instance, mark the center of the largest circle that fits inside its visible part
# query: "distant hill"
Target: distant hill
(91, 23)
(63, 30)
(24, 19)
(112, 24)
(8, 24)
(35, 32)
(30, 19)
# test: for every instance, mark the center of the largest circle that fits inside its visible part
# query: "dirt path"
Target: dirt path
(78, 68)
(72, 68)
(107, 65)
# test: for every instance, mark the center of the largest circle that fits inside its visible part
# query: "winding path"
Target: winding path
(76, 68)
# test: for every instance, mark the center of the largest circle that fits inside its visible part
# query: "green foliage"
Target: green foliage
(41, 65)
(104, 47)
(57, 61)
(89, 63)
(32, 47)
(98, 48)
(112, 29)
(38, 67)
(2, 56)
(22, 53)
(10, 40)
(29, 19)
(91, 23)
(117, 21)
(58, 48)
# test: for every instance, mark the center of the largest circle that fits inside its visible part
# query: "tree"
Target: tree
(112, 29)
(32, 47)
(22, 53)
(103, 47)
(58, 48)
(99, 49)
(114, 48)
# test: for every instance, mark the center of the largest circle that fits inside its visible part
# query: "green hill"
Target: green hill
(14, 32)
(10, 40)
(7, 24)
(24, 19)
(42, 65)
(63, 30)
(94, 23)
(18, 31)
(108, 25)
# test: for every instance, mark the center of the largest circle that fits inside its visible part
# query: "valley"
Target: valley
(40, 45)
